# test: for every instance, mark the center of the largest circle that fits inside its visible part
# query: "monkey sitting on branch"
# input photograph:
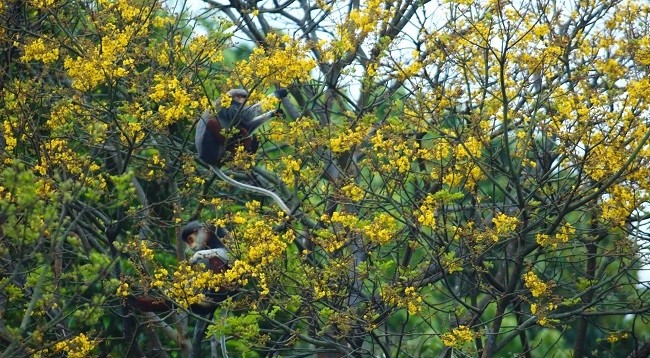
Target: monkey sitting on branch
(218, 135)
(205, 242)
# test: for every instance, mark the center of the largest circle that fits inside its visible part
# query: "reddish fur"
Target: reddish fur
(214, 127)
(218, 266)
(150, 304)
(243, 137)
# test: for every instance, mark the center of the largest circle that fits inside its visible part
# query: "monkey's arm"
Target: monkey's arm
(257, 121)
(207, 254)
(253, 116)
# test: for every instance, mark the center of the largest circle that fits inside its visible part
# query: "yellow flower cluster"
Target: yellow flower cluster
(618, 206)
(290, 167)
(366, 20)
(450, 263)
(426, 214)
(225, 100)
(145, 251)
(242, 159)
(353, 192)
(8, 132)
(328, 240)
(269, 103)
(160, 276)
(379, 141)
(266, 247)
(617, 336)
(174, 101)
(162, 21)
(536, 286)
(322, 290)
(469, 149)
(407, 298)
(643, 56)
(458, 336)
(105, 62)
(37, 50)
(542, 313)
(123, 289)
(61, 154)
(343, 218)
(408, 71)
(504, 225)
(281, 63)
(604, 159)
(134, 120)
(397, 154)
(127, 10)
(188, 284)
(140, 247)
(261, 248)
(346, 140)
(299, 133)
(79, 346)
(465, 170)
(413, 300)
(203, 46)
(562, 237)
(41, 4)
(64, 115)
(441, 150)
(382, 229)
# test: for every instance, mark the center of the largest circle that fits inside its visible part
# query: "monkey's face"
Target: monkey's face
(190, 240)
(195, 235)
(193, 240)
(239, 98)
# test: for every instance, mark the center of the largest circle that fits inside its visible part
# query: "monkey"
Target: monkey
(210, 136)
(208, 249)
(212, 145)
(205, 242)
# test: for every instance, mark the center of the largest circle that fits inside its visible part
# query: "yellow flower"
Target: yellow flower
(123, 289)
(536, 286)
(562, 237)
(427, 212)
(225, 100)
(353, 192)
(407, 298)
(42, 4)
(77, 347)
(37, 50)
(450, 263)
(382, 229)
(616, 336)
(457, 336)
(504, 224)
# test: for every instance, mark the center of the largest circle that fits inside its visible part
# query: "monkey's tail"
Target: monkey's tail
(252, 188)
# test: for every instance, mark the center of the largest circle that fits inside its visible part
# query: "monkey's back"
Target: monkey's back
(207, 139)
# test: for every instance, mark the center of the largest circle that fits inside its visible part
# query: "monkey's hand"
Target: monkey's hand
(281, 93)
(204, 256)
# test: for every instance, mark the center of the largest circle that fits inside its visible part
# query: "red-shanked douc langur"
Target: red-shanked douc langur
(208, 249)
(220, 134)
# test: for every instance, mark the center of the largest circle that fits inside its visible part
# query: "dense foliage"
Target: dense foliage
(465, 177)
